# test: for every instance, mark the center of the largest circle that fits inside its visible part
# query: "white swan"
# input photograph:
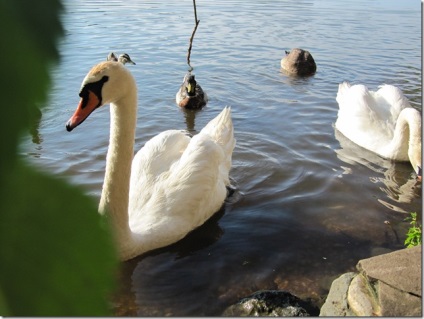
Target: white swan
(382, 122)
(173, 184)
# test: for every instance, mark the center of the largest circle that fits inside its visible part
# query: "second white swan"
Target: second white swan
(172, 185)
(382, 122)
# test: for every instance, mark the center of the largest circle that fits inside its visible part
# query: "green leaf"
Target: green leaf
(29, 31)
(55, 257)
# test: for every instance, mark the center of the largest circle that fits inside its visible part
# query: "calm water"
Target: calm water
(309, 203)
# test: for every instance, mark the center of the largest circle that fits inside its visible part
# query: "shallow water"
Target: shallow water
(309, 203)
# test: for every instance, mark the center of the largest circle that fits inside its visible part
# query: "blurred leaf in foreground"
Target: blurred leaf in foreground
(55, 257)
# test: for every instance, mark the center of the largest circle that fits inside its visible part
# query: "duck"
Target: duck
(172, 185)
(298, 62)
(381, 121)
(123, 58)
(191, 95)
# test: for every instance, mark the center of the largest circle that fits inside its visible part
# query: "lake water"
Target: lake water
(309, 203)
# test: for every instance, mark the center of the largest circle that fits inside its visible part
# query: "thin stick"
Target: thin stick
(192, 35)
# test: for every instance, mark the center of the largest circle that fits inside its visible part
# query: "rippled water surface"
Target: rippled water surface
(309, 203)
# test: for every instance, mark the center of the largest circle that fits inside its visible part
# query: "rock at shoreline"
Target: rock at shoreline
(387, 285)
(336, 303)
(271, 303)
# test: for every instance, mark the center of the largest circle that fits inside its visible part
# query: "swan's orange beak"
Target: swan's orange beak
(85, 107)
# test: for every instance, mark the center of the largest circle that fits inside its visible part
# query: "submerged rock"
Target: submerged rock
(271, 303)
(298, 62)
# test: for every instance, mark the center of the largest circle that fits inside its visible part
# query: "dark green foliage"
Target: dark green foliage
(28, 32)
(55, 257)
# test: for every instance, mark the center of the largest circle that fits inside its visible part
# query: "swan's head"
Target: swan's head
(413, 118)
(414, 154)
(107, 82)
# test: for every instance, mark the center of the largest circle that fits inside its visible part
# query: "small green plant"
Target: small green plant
(413, 236)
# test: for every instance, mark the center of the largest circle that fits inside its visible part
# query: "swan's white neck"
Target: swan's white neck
(407, 136)
(115, 193)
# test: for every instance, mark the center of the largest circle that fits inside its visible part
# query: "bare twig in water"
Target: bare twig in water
(192, 35)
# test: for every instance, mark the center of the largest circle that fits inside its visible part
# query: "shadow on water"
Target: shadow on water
(127, 301)
(304, 270)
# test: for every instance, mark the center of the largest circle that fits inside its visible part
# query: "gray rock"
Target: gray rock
(361, 297)
(387, 285)
(336, 303)
(298, 62)
(396, 303)
(400, 269)
(275, 303)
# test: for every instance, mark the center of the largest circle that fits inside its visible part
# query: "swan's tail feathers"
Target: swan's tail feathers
(354, 99)
(343, 91)
(221, 130)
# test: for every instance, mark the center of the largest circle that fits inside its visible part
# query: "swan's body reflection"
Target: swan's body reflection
(400, 183)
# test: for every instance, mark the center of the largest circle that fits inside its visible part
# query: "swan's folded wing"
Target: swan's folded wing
(197, 183)
(354, 100)
(357, 111)
(392, 102)
(191, 188)
(150, 162)
(188, 194)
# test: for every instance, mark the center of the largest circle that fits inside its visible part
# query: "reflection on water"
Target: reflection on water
(190, 117)
(34, 126)
(400, 182)
(308, 203)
